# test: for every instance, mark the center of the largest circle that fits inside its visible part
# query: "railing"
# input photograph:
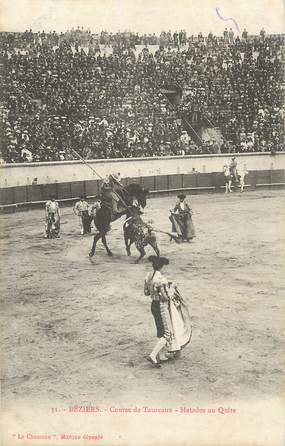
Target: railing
(25, 174)
(33, 195)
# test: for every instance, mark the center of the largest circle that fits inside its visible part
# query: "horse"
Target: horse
(138, 232)
(104, 215)
(241, 175)
(228, 178)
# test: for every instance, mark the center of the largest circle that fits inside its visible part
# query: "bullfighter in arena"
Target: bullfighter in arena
(181, 219)
(52, 218)
(233, 169)
(170, 312)
(111, 184)
(81, 209)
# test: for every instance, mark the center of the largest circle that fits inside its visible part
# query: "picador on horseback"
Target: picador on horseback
(110, 196)
(115, 201)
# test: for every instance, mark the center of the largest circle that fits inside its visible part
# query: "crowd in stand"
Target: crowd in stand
(66, 94)
(83, 37)
(240, 89)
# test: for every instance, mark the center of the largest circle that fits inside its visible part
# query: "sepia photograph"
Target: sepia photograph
(142, 222)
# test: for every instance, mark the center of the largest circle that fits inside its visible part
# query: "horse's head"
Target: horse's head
(136, 191)
(134, 212)
(142, 197)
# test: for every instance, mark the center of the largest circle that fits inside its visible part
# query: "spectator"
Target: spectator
(59, 95)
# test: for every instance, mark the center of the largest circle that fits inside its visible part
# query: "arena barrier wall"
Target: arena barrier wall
(19, 197)
(75, 171)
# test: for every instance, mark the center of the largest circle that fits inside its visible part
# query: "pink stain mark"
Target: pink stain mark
(226, 19)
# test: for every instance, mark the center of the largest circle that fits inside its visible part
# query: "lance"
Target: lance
(174, 237)
(125, 204)
(87, 164)
(96, 173)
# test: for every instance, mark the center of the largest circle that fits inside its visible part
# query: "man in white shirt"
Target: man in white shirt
(241, 174)
(81, 209)
(52, 212)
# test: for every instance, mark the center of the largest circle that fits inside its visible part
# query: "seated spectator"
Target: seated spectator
(61, 96)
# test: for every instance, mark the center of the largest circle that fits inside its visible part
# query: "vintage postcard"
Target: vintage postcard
(142, 235)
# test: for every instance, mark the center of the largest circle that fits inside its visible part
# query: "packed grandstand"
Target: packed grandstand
(128, 95)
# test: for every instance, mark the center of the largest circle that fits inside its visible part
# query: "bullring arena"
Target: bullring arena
(64, 312)
(99, 123)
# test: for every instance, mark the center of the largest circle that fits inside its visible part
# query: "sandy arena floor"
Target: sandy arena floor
(76, 330)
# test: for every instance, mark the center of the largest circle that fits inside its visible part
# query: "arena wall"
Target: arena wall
(25, 174)
(19, 197)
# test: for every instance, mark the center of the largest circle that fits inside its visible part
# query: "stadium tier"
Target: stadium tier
(124, 95)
